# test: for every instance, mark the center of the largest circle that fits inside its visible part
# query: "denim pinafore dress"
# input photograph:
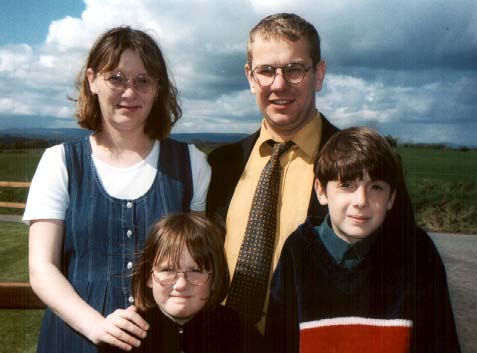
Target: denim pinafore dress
(103, 235)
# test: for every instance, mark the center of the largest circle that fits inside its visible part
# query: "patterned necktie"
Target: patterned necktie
(250, 281)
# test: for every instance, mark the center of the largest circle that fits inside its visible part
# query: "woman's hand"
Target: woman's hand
(122, 328)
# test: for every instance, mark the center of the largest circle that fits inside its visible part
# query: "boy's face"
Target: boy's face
(357, 207)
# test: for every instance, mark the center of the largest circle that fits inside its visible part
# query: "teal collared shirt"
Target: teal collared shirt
(345, 255)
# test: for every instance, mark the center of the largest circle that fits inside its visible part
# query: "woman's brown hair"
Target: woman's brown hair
(104, 56)
(166, 241)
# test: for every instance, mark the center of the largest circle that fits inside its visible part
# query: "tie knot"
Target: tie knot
(280, 148)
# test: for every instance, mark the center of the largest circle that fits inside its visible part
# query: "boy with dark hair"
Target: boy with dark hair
(367, 279)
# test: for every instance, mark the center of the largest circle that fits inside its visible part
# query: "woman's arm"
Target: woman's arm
(119, 329)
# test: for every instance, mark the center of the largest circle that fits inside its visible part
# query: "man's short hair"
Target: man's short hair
(286, 26)
(350, 153)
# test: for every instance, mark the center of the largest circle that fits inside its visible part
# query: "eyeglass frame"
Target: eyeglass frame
(127, 81)
(184, 272)
(283, 73)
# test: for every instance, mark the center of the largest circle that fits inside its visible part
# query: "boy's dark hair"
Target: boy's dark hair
(166, 241)
(351, 152)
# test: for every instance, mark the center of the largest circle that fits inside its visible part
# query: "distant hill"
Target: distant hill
(9, 136)
(50, 136)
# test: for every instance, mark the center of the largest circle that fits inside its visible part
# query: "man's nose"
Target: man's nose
(279, 81)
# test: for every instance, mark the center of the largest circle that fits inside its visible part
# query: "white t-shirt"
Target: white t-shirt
(48, 196)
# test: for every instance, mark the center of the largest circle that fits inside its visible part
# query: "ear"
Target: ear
(149, 281)
(92, 80)
(320, 70)
(320, 193)
(391, 200)
(251, 81)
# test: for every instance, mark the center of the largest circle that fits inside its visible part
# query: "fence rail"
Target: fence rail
(13, 184)
(17, 295)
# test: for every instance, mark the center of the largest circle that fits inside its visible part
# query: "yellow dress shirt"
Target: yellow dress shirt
(296, 185)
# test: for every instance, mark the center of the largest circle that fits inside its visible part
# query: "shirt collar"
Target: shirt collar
(344, 254)
(307, 139)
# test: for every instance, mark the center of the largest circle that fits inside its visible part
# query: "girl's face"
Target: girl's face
(179, 300)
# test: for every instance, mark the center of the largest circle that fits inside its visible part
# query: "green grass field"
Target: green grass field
(443, 187)
(17, 165)
(19, 328)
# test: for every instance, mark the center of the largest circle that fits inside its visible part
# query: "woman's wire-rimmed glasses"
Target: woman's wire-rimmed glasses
(194, 276)
(292, 73)
(116, 81)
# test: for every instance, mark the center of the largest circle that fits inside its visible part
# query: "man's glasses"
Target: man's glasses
(194, 276)
(292, 73)
(141, 83)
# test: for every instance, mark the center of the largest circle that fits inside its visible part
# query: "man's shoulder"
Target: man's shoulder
(226, 153)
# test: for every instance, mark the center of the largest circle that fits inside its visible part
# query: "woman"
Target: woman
(92, 201)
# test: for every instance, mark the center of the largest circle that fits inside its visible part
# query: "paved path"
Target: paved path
(459, 253)
(10, 218)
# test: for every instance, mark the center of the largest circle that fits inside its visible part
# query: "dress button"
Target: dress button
(129, 265)
(131, 300)
(129, 233)
(129, 204)
(181, 330)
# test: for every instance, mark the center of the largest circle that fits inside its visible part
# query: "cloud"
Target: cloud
(15, 58)
(391, 65)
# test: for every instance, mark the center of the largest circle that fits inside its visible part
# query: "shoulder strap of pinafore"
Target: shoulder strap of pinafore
(174, 161)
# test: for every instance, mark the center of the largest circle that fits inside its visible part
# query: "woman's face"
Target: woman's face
(179, 300)
(124, 103)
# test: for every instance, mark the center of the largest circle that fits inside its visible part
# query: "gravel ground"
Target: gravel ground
(10, 218)
(459, 253)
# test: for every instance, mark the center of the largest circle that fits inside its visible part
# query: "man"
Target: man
(284, 70)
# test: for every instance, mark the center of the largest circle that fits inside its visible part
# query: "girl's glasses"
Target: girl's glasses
(141, 83)
(194, 276)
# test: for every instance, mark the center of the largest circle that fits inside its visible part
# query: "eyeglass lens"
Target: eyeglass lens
(195, 277)
(142, 83)
(292, 73)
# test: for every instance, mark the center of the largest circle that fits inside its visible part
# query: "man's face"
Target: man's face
(285, 107)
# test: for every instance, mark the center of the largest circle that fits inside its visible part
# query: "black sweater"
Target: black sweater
(395, 300)
(218, 330)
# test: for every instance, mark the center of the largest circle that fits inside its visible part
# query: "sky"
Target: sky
(407, 68)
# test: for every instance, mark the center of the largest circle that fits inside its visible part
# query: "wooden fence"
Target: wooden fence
(17, 295)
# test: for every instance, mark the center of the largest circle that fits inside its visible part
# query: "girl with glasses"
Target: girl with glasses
(179, 280)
